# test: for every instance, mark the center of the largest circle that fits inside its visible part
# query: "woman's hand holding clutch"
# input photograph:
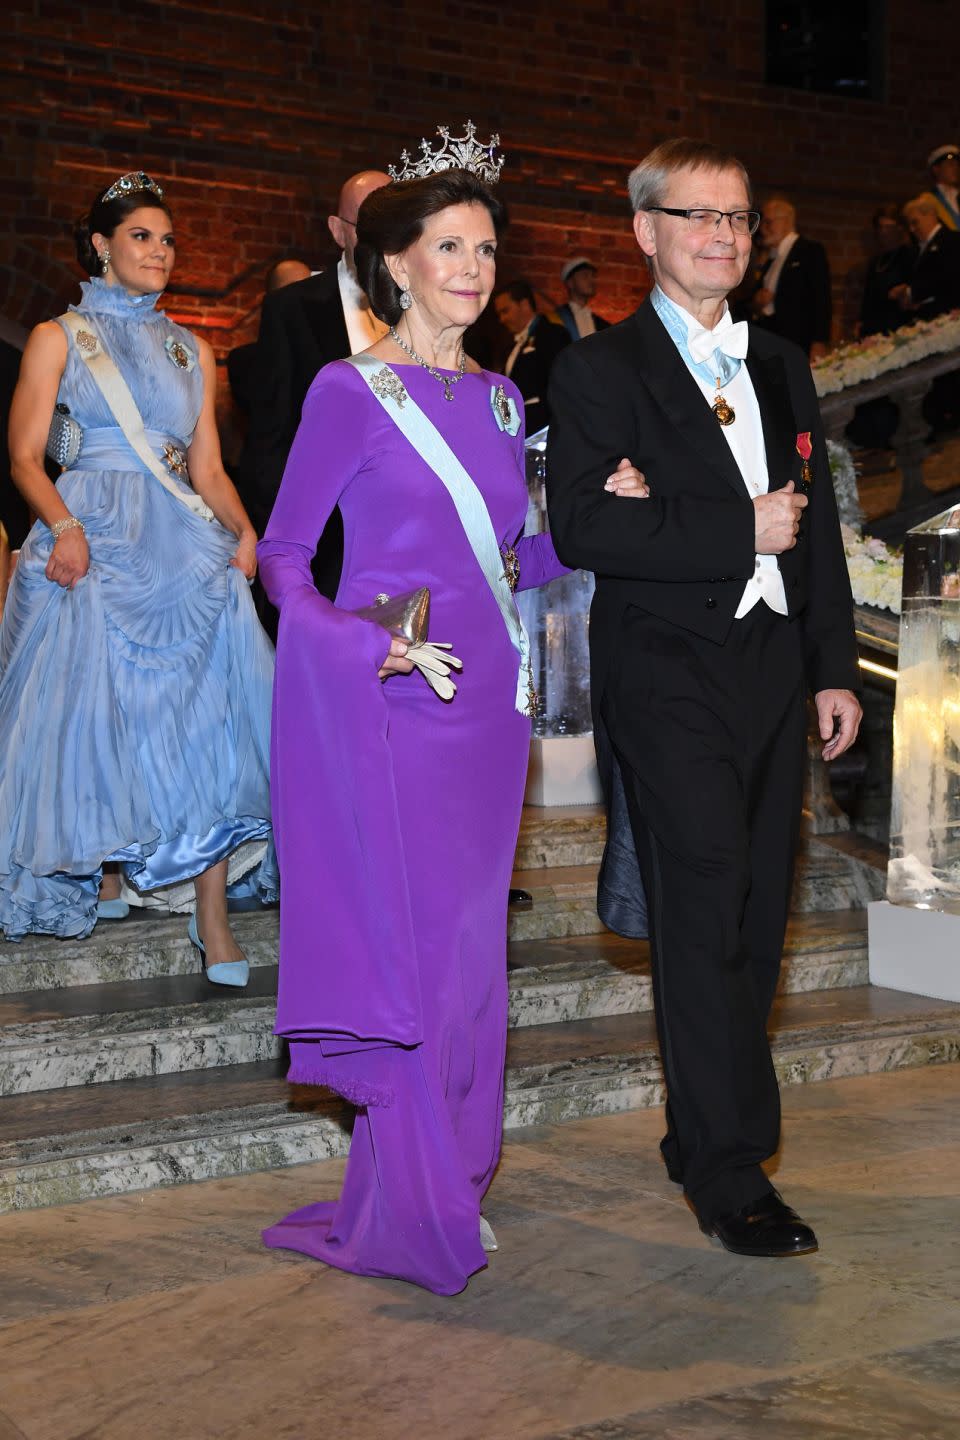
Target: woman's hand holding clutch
(396, 662)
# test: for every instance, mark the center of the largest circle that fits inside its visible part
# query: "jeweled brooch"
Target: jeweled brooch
(175, 460)
(511, 567)
(181, 356)
(387, 385)
(504, 409)
(86, 342)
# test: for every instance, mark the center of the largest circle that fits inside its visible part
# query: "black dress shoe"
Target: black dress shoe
(520, 900)
(767, 1227)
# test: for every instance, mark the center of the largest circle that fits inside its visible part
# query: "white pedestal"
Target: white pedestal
(914, 950)
(563, 771)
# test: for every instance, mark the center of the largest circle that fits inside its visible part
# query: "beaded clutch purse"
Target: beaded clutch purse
(406, 616)
(65, 438)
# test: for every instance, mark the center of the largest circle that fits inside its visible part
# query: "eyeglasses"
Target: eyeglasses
(347, 222)
(703, 222)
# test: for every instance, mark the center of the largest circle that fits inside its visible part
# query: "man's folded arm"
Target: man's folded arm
(683, 537)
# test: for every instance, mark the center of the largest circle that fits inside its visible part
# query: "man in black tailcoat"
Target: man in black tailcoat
(933, 289)
(302, 328)
(536, 344)
(722, 596)
(794, 299)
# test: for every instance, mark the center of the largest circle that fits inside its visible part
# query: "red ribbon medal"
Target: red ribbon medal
(805, 450)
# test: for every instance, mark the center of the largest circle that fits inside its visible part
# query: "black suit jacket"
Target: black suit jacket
(878, 313)
(803, 307)
(242, 375)
(685, 553)
(531, 370)
(301, 329)
(935, 278)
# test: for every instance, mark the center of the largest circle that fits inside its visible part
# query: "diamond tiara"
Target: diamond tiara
(130, 184)
(461, 152)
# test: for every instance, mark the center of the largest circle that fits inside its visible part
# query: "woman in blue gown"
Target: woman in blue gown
(135, 679)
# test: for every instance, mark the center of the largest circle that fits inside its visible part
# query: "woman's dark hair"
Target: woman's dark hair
(103, 218)
(392, 218)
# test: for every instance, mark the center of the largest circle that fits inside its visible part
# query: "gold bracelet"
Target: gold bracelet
(70, 523)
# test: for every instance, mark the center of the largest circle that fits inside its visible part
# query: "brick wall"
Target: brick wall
(252, 114)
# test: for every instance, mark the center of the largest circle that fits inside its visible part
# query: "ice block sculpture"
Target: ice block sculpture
(925, 823)
(557, 620)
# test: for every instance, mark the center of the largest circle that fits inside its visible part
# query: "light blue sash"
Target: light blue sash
(471, 506)
(724, 366)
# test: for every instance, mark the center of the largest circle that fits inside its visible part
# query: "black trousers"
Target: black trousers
(711, 744)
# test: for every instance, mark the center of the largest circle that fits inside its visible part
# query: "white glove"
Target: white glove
(435, 666)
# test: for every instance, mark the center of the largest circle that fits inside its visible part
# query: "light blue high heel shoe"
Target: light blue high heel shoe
(231, 972)
(112, 909)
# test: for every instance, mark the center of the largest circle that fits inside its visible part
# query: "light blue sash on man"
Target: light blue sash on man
(722, 367)
(386, 385)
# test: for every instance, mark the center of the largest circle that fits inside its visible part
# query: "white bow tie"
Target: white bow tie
(734, 341)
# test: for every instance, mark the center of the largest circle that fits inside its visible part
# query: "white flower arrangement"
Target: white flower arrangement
(876, 571)
(878, 354)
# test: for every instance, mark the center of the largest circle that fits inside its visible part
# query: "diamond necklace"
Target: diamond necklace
(447, 381)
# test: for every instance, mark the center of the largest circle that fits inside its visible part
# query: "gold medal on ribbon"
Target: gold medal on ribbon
(725, 413)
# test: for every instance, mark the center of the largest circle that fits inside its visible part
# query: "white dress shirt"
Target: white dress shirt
(583, 319)
(518, 343)
(925, 243)
(745, 438)
(772, 278)
(363, 327)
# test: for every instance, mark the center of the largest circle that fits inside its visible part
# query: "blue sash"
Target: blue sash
(399, 404)
(724, 366)
(947, 213)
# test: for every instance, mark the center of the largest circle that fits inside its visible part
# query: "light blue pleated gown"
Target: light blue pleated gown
(135, 708)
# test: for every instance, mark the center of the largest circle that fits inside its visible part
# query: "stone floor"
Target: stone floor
(605, 1315)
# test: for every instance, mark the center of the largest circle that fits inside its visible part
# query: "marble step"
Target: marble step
(558, 854)
(67, 1145)
(560, 835)
(828, 878)
(100, 1034)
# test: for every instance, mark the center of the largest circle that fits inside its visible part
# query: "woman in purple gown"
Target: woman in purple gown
(396, 813)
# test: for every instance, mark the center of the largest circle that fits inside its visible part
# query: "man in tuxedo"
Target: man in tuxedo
(579, 275)
(241, 361)
(933, 289)
(303, 327)
(794, 298)
(944, 166)
(934, 285)
(536, 344)
(721, 596)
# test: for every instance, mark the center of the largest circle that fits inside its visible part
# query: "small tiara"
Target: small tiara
(130, 184)
(456, 153)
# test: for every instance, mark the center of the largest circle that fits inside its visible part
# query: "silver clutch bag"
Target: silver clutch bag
(65, 438)
(406, 616)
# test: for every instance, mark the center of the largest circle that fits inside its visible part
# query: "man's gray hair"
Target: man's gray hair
(649, 180)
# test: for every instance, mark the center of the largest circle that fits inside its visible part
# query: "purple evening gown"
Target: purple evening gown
(396, 819)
